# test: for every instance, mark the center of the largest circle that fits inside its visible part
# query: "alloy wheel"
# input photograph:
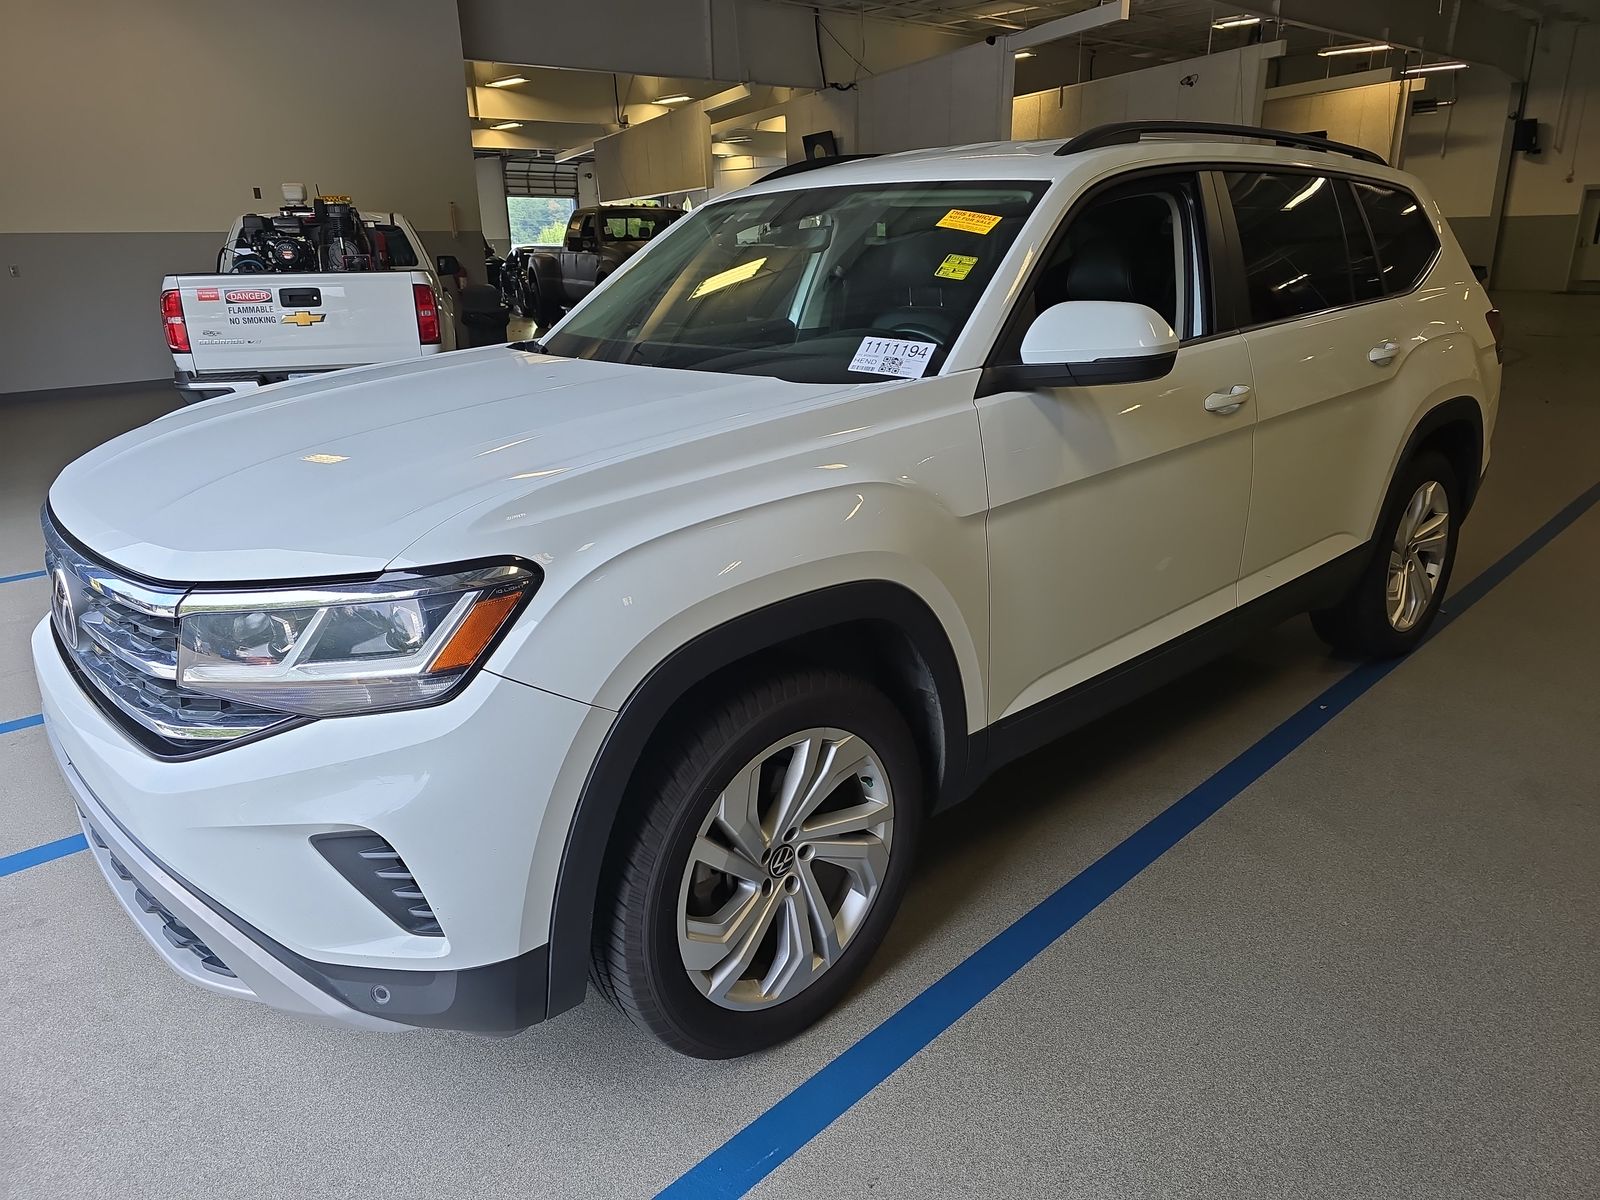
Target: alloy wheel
(1416, 560)
(785, 868)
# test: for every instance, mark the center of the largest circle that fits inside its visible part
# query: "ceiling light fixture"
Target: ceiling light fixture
(673, 100)
(1305, 194)
(508, 81)
(1239, 22)
(1356, 48)
(1428, 68)
(507, 125)
(1022, 54)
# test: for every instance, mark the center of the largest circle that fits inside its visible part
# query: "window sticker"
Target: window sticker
(956, 266)
(968, 222)
(889, 356)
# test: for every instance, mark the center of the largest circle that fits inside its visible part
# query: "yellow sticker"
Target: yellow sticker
(956, 266)
(334, 199)
(968, 222)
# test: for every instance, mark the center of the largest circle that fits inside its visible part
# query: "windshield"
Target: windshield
(830, 285)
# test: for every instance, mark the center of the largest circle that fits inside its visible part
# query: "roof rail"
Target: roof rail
(1122, 133)
(811, 164)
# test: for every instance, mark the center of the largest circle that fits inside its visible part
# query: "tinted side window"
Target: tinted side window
(1365, 272)
(1295, 259)
(1139, 242)
(1405, 237)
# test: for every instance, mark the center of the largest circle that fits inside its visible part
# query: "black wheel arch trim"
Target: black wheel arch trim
(599, 803)
(1460, 410)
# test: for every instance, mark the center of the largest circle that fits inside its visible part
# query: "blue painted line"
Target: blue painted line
(21, 723)
(20, 578)
(758, 1149)
(49, 852)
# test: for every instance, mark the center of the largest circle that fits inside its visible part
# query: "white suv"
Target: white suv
(415, 695)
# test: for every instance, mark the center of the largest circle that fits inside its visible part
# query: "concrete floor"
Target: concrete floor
(1374, 974)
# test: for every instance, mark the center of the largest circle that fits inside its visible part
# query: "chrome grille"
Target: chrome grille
(122, 634)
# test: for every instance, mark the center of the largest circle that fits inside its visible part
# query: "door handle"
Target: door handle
(1383, 354)
(1230, 401)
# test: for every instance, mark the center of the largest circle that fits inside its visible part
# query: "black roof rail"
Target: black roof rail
(811, 164)
(1122, 133)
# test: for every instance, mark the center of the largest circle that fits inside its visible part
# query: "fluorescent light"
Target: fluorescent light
(1304, 194)
(508, 81)
(1425, 68)
(507, 125)
(1022, 54)
(1357, 48)
(1239, 22)
(741, 137)
(1290, 282)
(672, 100)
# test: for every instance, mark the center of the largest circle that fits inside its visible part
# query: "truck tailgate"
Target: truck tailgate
(277, 323)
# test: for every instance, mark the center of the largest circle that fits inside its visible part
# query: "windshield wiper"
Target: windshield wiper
(529, 345)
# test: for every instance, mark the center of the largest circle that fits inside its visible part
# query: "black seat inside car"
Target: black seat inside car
(1122, 252)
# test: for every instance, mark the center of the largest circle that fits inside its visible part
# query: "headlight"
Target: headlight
(324, 651)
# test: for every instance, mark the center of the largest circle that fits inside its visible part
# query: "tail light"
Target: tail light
(427, 314)
(1497, 327)
(172, 318)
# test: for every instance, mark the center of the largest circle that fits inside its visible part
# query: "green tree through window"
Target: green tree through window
(539, 220)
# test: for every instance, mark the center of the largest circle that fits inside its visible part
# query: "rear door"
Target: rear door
(1330, 326)
(287, 323)
(580, 260)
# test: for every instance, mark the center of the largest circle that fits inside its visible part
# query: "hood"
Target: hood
(338, 475)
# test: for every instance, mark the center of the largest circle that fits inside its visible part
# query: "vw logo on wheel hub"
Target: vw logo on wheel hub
(781, 861)
(61, 608)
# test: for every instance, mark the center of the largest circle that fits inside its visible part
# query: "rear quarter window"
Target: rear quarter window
(1402, 233)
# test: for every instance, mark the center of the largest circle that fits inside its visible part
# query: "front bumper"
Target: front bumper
(217, 851)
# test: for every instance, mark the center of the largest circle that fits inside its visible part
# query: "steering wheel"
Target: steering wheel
(925, 333)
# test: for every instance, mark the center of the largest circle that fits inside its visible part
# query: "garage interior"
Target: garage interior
(1371, 967)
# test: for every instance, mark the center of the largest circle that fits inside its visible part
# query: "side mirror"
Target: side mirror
(448, 264)
(1084, 342)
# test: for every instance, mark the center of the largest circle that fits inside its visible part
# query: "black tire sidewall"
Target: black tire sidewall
(711, 1030)
(1381, 638)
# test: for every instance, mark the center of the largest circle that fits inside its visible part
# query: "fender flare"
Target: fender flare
(590, 834)
(1457, 410)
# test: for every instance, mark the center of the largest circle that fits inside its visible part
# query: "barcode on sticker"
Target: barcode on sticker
(890, 356)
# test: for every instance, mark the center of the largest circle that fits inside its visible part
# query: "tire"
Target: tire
(543, 312)
(1376, 618)
(725, 1004)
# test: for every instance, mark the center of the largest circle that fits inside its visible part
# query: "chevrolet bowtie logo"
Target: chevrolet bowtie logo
(303, 319)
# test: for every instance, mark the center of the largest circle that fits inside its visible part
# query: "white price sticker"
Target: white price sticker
(889, 356)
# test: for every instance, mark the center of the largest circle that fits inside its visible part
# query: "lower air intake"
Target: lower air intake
(375, 869)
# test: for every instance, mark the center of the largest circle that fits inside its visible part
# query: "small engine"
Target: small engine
(326, 236)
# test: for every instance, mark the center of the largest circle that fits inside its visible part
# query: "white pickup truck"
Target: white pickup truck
(261, 319)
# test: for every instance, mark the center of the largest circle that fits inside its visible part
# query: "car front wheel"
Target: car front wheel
(772, 848)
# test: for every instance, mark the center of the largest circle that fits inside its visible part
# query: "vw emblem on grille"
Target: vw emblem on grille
(781, 861)
(62, 611)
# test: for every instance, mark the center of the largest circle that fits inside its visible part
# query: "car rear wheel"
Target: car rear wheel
(1397, 597)
(772, 849)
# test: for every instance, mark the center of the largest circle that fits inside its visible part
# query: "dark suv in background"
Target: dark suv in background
(542, 282)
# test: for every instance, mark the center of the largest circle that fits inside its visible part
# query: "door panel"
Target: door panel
(1589, 239)
(1332, 385)
(1117, 518)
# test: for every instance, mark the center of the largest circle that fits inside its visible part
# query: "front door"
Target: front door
(1589, 238)
(1117, 513)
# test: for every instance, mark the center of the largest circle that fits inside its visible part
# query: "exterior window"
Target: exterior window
(1137, 242)
(1404, 235)
(1295, 259)
(1365, 273)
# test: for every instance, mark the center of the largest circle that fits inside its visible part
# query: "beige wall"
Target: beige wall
(1223, 87)
(1366, 116)
(134, 134)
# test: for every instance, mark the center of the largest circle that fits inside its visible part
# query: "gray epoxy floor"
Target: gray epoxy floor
(1374, 974)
